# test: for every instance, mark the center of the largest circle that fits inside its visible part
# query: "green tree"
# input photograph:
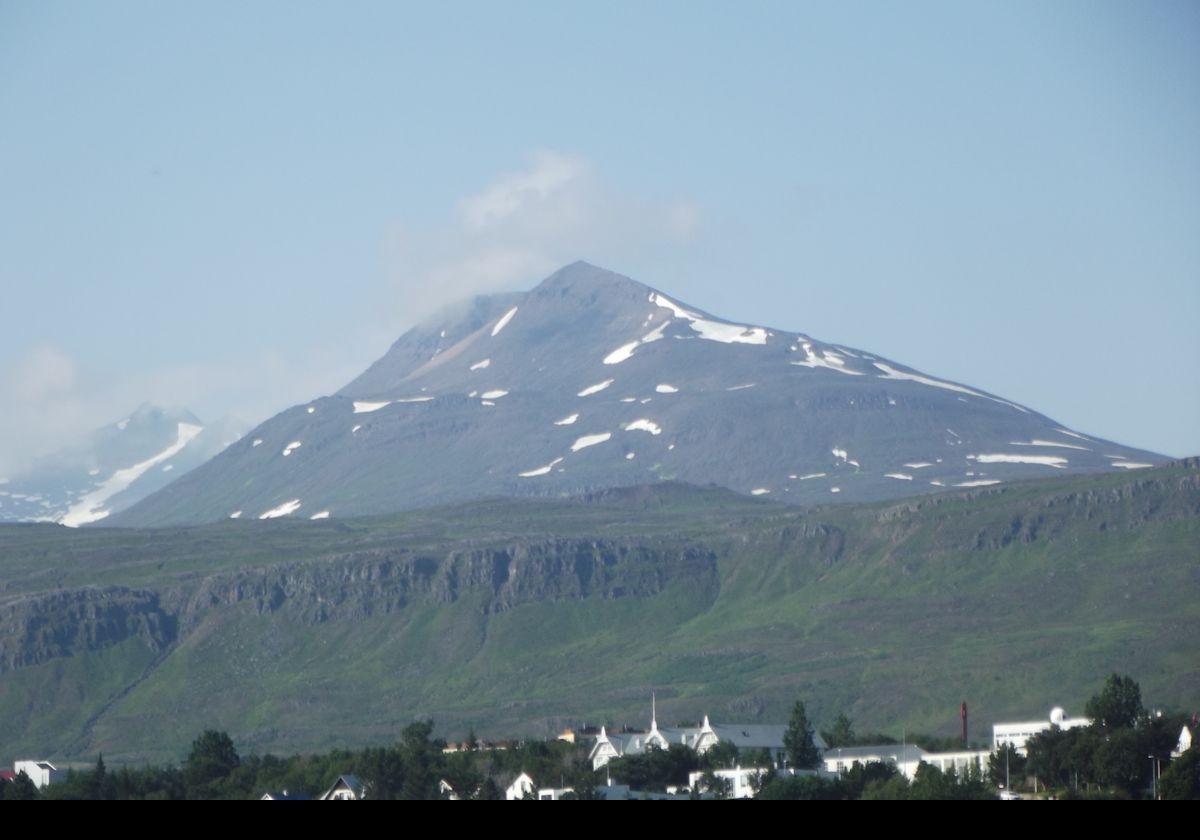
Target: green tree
(656, 768)
(1181, 780)
(720, 788)
(422, 761)
(1006, 766)
(1118, 705)
(762, 779)
(1120, 764)
(383, 772)
(859, 776)
(798, 740)
(842, 733)
(99, 786)
(723, 754)
(1053, 756)
(213, 758)
(21, 788)
(803, 788)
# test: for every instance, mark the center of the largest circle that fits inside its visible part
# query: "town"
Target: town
(1116, 750)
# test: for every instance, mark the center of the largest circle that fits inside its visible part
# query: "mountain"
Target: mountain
(515, 616)
(115, 467)
(592, 380)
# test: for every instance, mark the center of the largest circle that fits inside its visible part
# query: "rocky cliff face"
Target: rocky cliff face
(37, 628)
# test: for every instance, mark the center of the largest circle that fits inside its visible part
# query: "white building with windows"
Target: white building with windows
(906, 758)
(1018, 734)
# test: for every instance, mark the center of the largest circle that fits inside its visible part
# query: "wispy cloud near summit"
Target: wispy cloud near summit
(526, 223)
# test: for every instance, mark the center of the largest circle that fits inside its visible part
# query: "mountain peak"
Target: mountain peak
(592, 381)
(148, 412)
(580, 274)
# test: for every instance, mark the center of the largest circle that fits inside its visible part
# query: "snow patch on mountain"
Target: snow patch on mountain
(827, 359)
(540, 470)
(367, 406)
(1072, 434)
(590, 440)
(567, 421)
(625, 351)
(90, 507)
(1053, 443)
(644, 425)
(622, 353)
(503, 322)
(1046, 460)
(595, 389)
(712, 330)
(481, 365)
(891, 373)
(285, 509)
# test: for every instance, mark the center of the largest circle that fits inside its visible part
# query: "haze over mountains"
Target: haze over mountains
(116, 466)
(593, 380)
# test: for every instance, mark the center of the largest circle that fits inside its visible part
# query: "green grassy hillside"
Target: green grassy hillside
(524, 615)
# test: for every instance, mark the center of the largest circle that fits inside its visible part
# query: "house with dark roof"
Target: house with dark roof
(347, 786)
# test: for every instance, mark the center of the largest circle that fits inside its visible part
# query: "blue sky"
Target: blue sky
(236, 207)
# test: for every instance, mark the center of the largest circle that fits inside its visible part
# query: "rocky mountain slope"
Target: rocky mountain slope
(593, 380)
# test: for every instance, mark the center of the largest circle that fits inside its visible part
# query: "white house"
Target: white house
(1018, 734)
(521, 787)
(41, 773)
(1184, 744)
(347, 787)
(745, 736)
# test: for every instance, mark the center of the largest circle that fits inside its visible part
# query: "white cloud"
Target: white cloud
(42, 373)
(525, 224)
(548, 179)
